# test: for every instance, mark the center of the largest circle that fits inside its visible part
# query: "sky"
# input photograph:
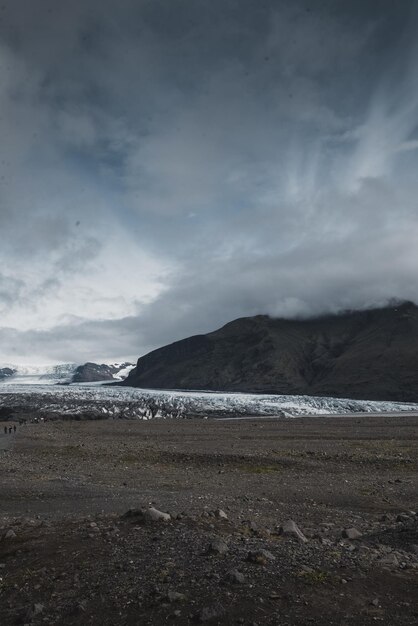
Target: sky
(167, 166)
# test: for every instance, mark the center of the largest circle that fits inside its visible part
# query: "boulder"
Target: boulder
(351, 533)
(290, 529)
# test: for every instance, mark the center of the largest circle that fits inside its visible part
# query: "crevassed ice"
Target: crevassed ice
(145, 404)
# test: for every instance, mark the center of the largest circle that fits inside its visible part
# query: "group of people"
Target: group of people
(10, 428)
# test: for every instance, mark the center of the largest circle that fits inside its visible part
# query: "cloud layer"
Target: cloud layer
(166, 167)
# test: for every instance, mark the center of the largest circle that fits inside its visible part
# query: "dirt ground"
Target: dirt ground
(68, 555)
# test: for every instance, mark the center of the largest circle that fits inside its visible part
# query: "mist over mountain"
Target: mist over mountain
(369, 354)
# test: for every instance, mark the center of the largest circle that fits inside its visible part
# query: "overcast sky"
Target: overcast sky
(167, 166)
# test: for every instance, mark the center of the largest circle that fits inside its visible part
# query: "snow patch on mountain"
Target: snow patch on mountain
(123, 369)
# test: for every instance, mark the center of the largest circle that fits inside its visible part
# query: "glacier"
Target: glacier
(95, 401)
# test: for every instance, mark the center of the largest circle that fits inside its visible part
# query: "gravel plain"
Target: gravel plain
(69, 554)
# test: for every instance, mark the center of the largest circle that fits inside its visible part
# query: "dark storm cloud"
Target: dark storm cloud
(167, 166)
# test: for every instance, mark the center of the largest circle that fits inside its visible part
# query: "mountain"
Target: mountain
(63, 373)
(371, 354)
(6, 372)
(93, 372)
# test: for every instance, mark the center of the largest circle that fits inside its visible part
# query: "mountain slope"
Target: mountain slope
(369, 354)
(94, 372)
(6, 372)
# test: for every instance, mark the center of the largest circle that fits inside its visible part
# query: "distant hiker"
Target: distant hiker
(5, 430)
(10, 430)
(14, 428)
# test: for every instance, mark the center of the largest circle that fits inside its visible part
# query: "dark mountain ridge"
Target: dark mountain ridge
(95, 372)
(370, 354)
(6, 372)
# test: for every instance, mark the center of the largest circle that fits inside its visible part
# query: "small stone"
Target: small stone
(35, 610)
(156, 516)
(290, 529)
(220, 514)
(403, 517)
(174, 596)
(217, 546)
(147, 515)
(260, 556)
(10, 534)
(390, 560)
(375, 602)
(215, 611)
(236, 577)
(351, 533)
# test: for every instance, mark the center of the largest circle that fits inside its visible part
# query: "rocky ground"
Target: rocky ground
(70, 553)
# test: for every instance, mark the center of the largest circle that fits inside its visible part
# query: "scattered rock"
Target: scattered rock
(174, 596)
(35, 610)
(154, 515)
(290, 529)
(10, 534)
(220, 514)
(351, 533)
(151, 515)
(217, 546)
(390, 560)
(260, 556)
(236, 577)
